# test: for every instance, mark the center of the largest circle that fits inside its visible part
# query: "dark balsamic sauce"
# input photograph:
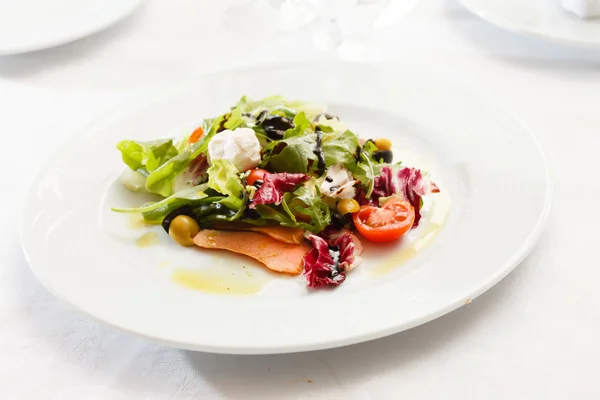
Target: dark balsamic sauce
(318, 151)
(334, 252)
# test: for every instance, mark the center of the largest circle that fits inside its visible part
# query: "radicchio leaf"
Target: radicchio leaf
(361, 197)
(408, 181)
(198, 168)
(326, 263)
(383, 185)
(274, 186)
(413, 185)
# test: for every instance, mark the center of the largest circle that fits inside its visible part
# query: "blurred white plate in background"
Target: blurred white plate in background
(545, 19)
(30, 25)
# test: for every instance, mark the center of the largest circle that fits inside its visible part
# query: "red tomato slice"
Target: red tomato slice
(387, 223)
(196, 135)
(256, 174)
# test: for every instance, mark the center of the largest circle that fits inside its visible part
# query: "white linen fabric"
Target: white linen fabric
(533, 336)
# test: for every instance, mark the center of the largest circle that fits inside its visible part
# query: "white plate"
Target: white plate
(545, 19)
(485, 161)
(29, 25)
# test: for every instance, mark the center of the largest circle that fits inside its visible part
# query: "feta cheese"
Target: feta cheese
(239, 146)
(582, 8)
(339, 183)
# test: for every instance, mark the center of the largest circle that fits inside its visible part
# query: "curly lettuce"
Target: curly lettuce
(224, 178)
(146, 157)
(161, 180)
(302, 208)
(305, 207)
(280, 106)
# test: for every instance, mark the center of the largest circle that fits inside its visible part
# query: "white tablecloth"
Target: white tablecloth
(533, 336)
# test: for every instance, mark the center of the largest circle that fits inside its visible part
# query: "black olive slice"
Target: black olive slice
(275, 126)
(386, 155)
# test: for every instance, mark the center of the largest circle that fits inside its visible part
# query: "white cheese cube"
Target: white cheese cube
(239, 146)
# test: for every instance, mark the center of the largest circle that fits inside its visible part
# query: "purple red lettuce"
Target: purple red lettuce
(383, 185)
(327, 262)
(274, 186)
(198, 168)
(408, 181)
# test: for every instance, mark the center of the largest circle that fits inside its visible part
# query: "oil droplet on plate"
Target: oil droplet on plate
(408, 251)
(147, 239)
(219, 282)
(136, 221)
(427, 232)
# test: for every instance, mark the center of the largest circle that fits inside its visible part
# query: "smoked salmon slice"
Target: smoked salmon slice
(274, 254)
(282, 233)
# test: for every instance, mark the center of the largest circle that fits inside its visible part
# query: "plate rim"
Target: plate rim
(71, 37)
(129, 105)
(512, 27)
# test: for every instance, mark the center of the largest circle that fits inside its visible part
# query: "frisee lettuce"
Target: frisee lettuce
(302, 208)
(161, 180)
(224, 178)
(145, 157)
(307, 202)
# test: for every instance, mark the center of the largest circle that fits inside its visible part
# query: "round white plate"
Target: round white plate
(545, 19)
(29, 25)
(489, 167)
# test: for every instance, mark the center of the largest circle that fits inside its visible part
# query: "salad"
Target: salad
(280, 181)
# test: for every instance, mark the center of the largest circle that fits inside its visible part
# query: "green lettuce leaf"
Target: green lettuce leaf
(224, 178)
(301, 124)
(279, 105)
(294, 156)
(303, 201)
(274, 213)
(160, 181)
(208, 214)
(145, 157)
(340, 148)
(161, 161)
(155, 212)
(366, 168)
(294, 153)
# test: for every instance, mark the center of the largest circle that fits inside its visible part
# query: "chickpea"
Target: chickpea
(383, 144)
(183, 228)
(346, 206)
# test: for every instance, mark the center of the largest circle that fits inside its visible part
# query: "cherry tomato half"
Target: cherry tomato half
(387, 223)
(256, 174)
(196, 135)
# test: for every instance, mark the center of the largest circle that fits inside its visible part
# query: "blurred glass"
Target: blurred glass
(345, 28)
(269, 16)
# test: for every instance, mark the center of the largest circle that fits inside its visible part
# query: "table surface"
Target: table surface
(532, 336)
